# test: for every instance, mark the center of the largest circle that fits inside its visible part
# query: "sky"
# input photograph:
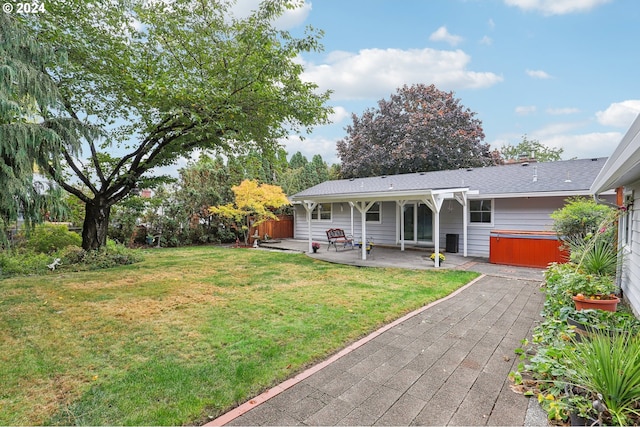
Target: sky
(563, 72)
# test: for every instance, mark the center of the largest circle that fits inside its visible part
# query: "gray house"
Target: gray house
(432, 209)
(622, 171)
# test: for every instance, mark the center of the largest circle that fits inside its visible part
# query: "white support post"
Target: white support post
(465, 226)
(351, 207)
(401, 204)
(309, 206)
(461, 197)
(364, 207)
(434, 201)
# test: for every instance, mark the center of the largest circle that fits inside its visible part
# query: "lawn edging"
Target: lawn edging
(274, 391)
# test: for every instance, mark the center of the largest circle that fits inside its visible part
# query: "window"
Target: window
(375, 213)
(322, 212)
(480, 211)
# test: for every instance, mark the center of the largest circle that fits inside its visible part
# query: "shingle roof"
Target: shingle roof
(570, 176)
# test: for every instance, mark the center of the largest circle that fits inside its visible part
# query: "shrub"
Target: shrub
(72, 258)
(111, 255)
(22, 263)
(71, 255)
(579, 217)
(49, 238)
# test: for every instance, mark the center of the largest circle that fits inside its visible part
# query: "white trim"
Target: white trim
(379, 220)
(623, 166)
(318, 218)
(481, 224)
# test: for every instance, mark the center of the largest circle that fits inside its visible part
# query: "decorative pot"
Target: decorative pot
(577, 420)
(606, 303)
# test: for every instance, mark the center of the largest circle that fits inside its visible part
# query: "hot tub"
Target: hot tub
(526, 248)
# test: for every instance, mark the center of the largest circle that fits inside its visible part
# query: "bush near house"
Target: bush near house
(575, 372)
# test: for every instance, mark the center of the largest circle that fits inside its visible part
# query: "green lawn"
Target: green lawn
(187, 334)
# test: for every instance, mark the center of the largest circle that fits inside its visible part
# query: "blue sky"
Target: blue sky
(564, 72)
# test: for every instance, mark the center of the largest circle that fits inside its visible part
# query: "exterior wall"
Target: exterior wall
(630, 277)
(523, 214)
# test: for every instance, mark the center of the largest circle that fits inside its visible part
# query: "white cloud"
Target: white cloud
(589, 145)
(619, 114)
(375, 73)
(291, 18)
(441, 34)
(524, 110)
(486, 40)
(538, 74)
(556, 7)
(562, 111)
(576, 143)
(339, 114)
(491, 24)
(560, 128)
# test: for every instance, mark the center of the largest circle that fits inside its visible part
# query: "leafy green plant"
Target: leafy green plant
(555, 405)
(22, 263)
(595, 254)
(582, 406)
(49, 238)
(579, 217)
(608, 365)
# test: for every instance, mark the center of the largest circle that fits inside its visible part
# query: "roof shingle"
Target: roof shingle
(561, 176)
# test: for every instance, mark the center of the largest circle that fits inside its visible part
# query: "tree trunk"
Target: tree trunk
(96, 223)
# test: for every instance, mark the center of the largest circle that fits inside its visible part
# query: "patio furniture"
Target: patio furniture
(336, 236)
(370, 244)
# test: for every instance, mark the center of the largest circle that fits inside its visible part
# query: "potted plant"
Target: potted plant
(594, 292)
(440, 255)
(315, 246)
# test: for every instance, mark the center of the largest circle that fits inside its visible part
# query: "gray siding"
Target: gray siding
(525, 214)
(630, 278)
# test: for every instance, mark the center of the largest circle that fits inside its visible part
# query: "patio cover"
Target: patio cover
(433, 198)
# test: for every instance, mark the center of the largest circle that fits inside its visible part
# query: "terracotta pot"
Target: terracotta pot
(610, 304)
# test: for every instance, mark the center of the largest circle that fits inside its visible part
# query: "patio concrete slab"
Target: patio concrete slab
(445, 364)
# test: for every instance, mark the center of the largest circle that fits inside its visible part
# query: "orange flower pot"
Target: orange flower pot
(605, 302)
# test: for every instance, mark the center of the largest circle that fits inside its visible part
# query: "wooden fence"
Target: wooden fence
(280, 229)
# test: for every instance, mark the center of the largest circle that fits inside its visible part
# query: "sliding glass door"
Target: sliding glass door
(418, 223)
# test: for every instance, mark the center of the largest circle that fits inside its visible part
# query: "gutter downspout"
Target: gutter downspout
(617, 205)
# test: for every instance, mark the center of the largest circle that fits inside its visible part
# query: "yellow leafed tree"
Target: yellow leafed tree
(252, 201)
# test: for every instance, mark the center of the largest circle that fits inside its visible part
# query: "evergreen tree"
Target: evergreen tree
(32, 132)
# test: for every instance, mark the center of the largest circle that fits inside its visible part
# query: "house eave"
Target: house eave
(382, 196)
(536, 194)
(623, 166)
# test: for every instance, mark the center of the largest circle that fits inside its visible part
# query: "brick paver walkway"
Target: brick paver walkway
(446, 365)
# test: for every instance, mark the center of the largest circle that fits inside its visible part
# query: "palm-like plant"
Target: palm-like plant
(595, 256)
(608, 366)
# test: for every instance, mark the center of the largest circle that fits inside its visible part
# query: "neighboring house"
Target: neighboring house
(421, 209)
(622, 170)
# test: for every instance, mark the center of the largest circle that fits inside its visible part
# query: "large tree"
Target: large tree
(420, 128)
(29, 129)
(531, 149)
(162, 79)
